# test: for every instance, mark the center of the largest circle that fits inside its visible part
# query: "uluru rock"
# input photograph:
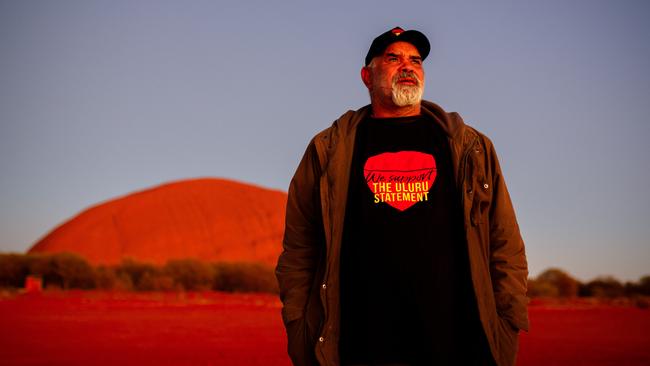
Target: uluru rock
(207, 219)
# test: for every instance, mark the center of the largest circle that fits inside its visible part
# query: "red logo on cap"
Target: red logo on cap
(397, 31)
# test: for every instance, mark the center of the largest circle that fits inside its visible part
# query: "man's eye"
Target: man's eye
(391, 59)
(417, 62)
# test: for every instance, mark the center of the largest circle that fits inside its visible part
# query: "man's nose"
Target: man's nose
(406, 67)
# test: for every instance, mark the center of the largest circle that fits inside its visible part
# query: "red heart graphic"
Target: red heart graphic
(400, 179)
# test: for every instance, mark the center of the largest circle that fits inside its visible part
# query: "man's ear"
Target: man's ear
(366, 77)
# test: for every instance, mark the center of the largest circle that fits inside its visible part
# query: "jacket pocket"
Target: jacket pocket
(297, 341)
(481, 201)
(480, 189)
(300, 344)
(508, 341)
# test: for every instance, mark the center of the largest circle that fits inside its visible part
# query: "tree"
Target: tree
(564, 284)
(63, 270)
(608, 287)
(538, 288)
(190, 274)
(13, 270)
(245, 277)
(136, 275)
(644, 285)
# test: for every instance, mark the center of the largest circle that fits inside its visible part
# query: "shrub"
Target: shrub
(62, 270)
(67, 271)
(540, 288)
(565, 285)
(604, 287)
(74, 271)
(190, 274)
(156, 282)
(13, 270)
(105, 278)
(644, 285)
(245, 277)
(137, 275)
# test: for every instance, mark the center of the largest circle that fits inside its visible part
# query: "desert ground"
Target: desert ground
(210, 328)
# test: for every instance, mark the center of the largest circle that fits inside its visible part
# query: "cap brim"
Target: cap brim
(416, 38)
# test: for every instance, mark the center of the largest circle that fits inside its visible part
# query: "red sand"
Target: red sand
(100, 328)
(582, 334)
(95, 328)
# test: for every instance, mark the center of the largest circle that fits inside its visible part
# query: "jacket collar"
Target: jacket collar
(450, 122)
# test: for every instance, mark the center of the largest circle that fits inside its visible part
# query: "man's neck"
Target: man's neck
(380, 111)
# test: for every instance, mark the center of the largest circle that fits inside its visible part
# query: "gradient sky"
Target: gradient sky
(102, 98)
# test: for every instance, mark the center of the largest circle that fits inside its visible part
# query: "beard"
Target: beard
(406, 95)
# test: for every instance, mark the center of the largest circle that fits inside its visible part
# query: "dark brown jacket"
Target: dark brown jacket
(308, 268)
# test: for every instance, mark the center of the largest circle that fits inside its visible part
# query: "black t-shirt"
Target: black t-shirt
(405, 283)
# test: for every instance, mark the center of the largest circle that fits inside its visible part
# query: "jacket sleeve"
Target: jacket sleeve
(303, 238)
(508, 265)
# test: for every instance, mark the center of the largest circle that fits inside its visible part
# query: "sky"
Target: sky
(102, 98)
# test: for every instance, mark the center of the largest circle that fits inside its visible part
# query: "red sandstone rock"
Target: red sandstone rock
(206, 219)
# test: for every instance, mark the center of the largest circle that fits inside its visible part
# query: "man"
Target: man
(401, 245)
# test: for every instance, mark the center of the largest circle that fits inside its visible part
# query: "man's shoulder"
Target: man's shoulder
(347, 122)
(453, 123)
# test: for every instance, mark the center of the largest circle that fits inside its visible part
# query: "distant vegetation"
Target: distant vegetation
(70, 271)
(559, 284)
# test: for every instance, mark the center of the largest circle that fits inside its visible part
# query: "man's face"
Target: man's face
(396, 76)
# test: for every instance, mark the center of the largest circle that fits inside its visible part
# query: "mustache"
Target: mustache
(406, 75)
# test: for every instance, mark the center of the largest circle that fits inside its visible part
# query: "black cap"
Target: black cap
(398, 34)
